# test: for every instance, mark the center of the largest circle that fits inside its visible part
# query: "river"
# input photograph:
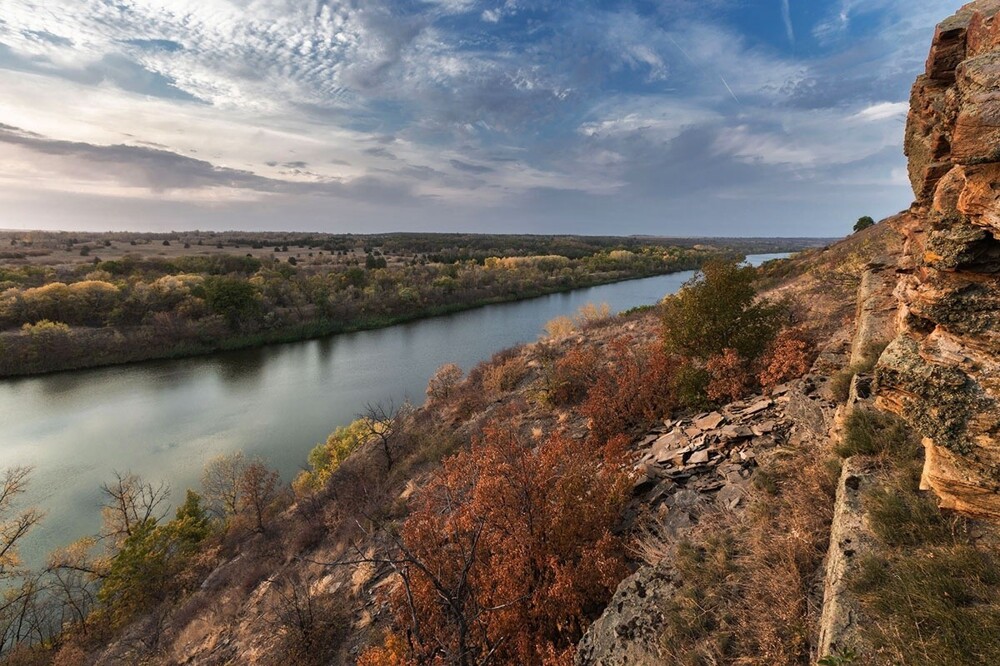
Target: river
(164, 419)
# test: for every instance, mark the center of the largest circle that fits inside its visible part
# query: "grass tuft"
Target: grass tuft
(872, 433)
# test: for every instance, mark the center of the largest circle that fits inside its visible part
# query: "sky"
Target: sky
(670, 117)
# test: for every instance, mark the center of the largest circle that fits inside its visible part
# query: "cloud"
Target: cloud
(469, 112)
(470, 168)
(883, 111)
(786, 17)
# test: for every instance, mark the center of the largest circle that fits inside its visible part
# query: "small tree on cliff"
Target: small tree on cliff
(863, 223)
(717, 310)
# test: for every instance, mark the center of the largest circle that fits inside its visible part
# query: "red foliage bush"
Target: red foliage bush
(508, 550)
(636, 388)
(730, 376)
(572, 375)
(789, 356)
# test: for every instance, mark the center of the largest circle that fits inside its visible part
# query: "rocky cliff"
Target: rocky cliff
(942, 372)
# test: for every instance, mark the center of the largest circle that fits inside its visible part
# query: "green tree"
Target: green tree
(144, 571)
(863, 223)
(234, 299)
(718, 309)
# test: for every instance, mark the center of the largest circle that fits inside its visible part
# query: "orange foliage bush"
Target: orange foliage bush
(788, 357)
(636, 388)
(392, 652)
(498, 379)
(508, 551)
(572, 376)
(730, 376)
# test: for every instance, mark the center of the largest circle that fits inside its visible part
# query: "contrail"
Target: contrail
(786, 15)
(686, 56)
(729, 89)
(683, 52)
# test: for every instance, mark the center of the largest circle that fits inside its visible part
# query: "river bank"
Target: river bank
(116, 346)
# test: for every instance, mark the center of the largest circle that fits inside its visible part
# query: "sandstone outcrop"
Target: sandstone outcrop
(942, 372)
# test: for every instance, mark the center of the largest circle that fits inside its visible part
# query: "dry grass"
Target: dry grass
(745, 585)
(931, 594)
(870, 432)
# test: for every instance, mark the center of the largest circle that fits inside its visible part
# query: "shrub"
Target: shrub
(590, 314)
(443, 383)
(502, 543)
(690, 385)
(572, 376)
(788, 357)
(730, 376)
(325, 458)
(635, 389)
(560, 327)
(718, 309)
(499, 379)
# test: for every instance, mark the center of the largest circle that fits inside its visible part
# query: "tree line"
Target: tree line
(142, 307)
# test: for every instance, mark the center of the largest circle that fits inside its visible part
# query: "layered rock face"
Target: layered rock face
(942, 372)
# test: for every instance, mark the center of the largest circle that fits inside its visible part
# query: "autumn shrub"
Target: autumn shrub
(504, 377)
(730, 378)
(571, 376)
(393, 651)
(788, 357)
(635, 388)
(508, 551)
(591, 314)
(559, 327)
(443, 383)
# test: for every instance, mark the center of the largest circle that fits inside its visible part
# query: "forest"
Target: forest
(87, 300)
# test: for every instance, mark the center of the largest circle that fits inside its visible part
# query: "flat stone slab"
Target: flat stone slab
(710, 421)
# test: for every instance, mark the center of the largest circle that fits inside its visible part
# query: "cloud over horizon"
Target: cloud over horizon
(711, 118)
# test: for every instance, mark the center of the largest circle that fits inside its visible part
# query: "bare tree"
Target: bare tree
(315, 625)
(18, 602)
(13, 528)
(220, 484)
(71, 579)
(258, 489)
(128, 503)
(381, 423)
(453, 590)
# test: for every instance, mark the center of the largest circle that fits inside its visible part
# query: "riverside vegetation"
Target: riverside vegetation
(86, 300)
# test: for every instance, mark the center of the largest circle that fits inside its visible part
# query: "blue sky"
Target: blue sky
(678, 117)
